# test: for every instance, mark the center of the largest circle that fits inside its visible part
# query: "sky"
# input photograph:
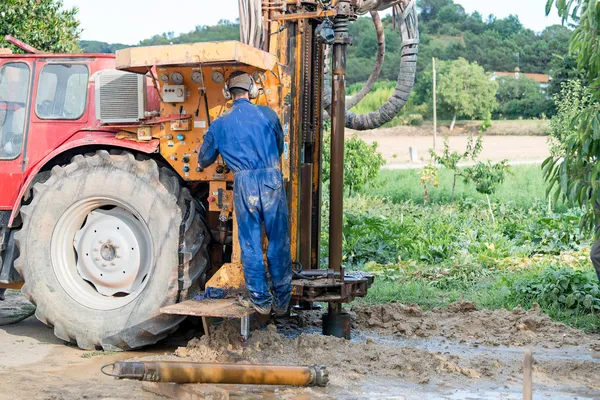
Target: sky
(129, 21)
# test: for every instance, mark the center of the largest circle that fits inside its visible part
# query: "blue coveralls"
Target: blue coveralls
(250, 140)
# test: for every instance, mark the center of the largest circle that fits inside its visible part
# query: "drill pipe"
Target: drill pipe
(338, 126)
(192, 372)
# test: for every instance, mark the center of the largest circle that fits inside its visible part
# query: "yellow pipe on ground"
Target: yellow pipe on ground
(192, 372)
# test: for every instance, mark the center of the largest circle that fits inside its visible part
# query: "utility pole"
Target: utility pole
(434, 105)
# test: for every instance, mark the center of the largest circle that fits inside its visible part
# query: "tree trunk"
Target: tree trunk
(453, 187)
(426, 194)
(453, 123)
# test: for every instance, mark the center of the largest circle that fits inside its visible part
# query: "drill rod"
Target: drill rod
(192, 372)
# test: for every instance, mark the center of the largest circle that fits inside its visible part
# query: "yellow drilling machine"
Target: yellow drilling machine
(108, 224)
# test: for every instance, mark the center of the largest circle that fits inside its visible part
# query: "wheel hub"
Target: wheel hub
(108, 252)
(111, 250)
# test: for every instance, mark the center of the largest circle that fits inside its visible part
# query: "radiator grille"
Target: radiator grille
(120, 96)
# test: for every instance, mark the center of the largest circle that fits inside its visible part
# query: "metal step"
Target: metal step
(214, 308)
(219, 308)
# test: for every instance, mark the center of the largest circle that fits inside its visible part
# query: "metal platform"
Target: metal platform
(220, 308)
(217, 308)
(326, 286)
(313, 286)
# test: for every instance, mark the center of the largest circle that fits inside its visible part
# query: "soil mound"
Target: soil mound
(347, 360)
(463, 321)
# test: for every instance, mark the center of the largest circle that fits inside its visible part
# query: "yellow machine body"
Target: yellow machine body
(194, 74)
(190, 79)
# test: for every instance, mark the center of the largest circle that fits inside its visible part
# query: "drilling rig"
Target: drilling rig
(107, 223)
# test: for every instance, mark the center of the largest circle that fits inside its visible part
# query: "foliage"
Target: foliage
(465, 89)
(369, 238)
(554, 234)
(570, 102)
(93, 46)
(562, 288)
(521, 98)
(486, 124)
(224, 30)
(576, 176)
(448, 32)
(43, 24)
(450, 159)
(584, 41)
(362, 162)
(438, 236)
(429, 176)
(487, 177)
(563, 68)
(433, 254)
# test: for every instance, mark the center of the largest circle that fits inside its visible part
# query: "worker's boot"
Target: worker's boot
(2, 294)
(246, 302)
(280, 312)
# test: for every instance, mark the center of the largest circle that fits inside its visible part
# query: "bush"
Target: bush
(369, 238)
(572, 100)
(561, 288)
(362, 162)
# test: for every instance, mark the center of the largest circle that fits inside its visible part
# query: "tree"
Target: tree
(465, 89)
(450, 159)
(521, 98)
(576, 176)
(92, 46)
(430, 8)
(507, 27)
(487, 177)
(563, 68)
(43, 24)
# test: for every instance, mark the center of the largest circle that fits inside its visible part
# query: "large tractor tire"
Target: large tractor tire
(106, 242)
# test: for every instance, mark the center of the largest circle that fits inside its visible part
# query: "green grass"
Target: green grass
(434, 254)
(524, 187)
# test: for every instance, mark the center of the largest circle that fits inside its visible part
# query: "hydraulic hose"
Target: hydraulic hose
(376, 67)
(406, 18)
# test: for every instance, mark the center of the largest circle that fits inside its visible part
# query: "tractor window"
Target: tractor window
(62, 91)
(14, 87)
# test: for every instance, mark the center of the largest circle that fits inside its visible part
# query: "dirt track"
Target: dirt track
(395, 147)
(397, 351)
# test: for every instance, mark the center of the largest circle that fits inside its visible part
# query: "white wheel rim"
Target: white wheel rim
(101, 253)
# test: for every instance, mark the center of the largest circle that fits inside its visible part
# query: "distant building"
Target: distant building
(542, 79)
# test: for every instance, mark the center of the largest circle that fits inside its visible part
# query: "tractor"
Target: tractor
(108, 224)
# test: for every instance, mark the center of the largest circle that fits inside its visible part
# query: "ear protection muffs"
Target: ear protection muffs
(252, 93)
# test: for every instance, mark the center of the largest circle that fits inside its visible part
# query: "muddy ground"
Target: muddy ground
(397, 351)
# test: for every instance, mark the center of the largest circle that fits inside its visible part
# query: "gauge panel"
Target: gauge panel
(197, 77)
(218, 77)
(177, 78)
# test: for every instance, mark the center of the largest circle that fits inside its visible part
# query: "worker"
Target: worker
(249, 138)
